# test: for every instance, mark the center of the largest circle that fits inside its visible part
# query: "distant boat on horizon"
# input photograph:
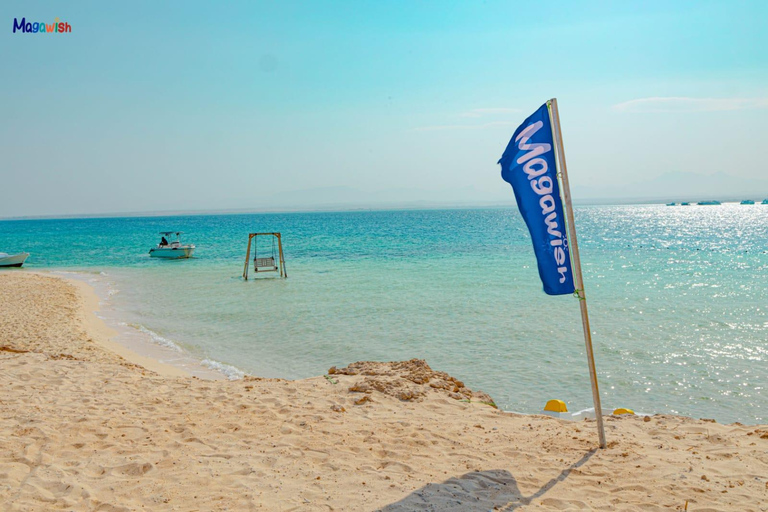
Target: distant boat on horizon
(747, 201)
(765, 201)
(685, 204)
(709, 203)
(671, 204)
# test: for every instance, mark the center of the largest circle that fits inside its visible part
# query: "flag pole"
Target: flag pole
(577, 278)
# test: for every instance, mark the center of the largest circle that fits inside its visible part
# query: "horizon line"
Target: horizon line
(344, 207)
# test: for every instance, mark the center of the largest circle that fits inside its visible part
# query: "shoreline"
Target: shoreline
(135, 344)
(137, 347)
(129, 341)
(104, 335)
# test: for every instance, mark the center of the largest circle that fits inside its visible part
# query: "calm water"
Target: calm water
(677, 298)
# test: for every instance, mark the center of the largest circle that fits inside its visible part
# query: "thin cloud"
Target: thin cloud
(480, 112)
(462, 126)
(684, 104)
(475, 113)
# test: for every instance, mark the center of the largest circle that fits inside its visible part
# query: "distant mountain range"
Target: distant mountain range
(672, 186)
(677, 187)
(669, 187)
(343, 197)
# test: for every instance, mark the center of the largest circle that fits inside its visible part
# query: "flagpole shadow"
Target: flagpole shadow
(478, 491)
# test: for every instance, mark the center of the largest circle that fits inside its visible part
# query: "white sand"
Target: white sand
(84, 427)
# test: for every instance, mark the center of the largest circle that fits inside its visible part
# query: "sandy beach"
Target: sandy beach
(88, 425)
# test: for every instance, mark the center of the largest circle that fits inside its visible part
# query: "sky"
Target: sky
(180, 106)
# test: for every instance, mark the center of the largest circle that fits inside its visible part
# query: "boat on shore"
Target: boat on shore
(13, 260)
(173, 250)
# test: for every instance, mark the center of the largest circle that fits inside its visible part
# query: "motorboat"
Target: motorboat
(172, 250)
(747, 201)
(13, 260)
(765, 201)
(671, 204)
(709, 203)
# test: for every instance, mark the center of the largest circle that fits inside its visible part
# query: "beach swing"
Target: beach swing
(275, 262)
(264, 264)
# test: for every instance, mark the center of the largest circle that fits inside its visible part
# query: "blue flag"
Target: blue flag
(528, 164)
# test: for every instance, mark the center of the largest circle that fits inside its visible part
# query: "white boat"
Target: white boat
(172, 250)
(13, 260)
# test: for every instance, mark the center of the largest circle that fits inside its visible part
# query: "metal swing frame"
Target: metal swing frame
(265, 264)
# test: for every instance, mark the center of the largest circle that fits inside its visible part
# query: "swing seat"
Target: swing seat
(264, 264)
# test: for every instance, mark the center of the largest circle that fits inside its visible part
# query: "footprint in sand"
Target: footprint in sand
(133, 469)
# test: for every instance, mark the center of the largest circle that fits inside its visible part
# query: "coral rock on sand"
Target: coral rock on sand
(407, 380)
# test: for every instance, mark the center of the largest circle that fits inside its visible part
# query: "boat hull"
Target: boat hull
(172, 253)
(14, 260)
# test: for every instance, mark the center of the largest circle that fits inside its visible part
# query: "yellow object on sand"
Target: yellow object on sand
(622, 410)
(556, 406)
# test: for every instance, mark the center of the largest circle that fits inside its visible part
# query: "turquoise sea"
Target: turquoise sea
(677, 299)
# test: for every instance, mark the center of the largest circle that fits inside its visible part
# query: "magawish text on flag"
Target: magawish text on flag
(536, 168)
(528, 164)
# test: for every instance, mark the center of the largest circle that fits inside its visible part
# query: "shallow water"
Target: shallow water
(677, 299)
